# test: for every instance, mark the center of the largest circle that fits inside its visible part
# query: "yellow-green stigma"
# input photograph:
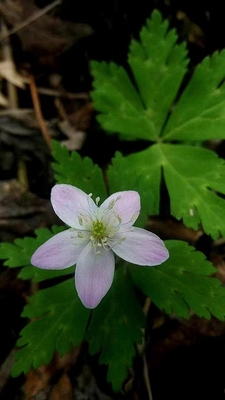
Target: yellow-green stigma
(98, 229)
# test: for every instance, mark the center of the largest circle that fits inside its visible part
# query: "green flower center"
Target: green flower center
(98, 229)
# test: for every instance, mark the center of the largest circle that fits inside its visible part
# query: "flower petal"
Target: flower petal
(94, 275)
(68, 202)
(127, 205)
(140, 247)
(59, 252)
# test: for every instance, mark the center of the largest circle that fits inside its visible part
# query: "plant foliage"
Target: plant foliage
(194, 176)
(184, 282)
(58, 321)
(151, 100)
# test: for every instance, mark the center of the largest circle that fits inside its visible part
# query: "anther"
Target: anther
(80, 219)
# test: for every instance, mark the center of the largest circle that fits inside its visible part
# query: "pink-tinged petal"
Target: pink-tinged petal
(68, 202)
(94, 275)
(59, 252)
(140, 247)
(127, 205)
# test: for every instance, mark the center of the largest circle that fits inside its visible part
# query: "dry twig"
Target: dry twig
(38, 112)
(29, 20)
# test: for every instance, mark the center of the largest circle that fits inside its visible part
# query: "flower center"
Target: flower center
(102, 225)
(98, 229)
(101, 231)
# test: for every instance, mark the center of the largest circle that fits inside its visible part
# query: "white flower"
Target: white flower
(97, 233)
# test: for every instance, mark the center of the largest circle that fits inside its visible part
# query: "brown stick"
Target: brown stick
(38, 112)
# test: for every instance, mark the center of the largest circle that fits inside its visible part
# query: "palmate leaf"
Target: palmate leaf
(59, 320)
(158, 65)
(122, 110)
(182, 283)
(116, 326)
(191, 186)
(18, 254)
(199, 113)
(71, 168)
(194, 177)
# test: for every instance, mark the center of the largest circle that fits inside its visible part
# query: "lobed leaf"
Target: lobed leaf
(72, 169)
(118, 321)
(121, 111)
(192, 186)
(18, 254)
(194, 176)
(199, 113)
(135, 172)
(184, 282)
(158, 64)
(59, 320)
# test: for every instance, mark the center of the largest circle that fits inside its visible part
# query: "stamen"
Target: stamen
(100, 225)
(80, 220)
(119, 219)
(111, 204)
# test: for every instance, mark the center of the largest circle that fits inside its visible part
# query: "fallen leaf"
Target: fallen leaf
(60, 34)
(8, 72)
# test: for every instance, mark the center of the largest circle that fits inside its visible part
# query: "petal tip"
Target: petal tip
(89, 303)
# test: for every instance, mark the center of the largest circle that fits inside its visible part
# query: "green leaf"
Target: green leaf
(18, 254)
(115, 328)
(193, 177)
(121, 111)
(192, 186)
(71, 168)
(182, 283)
(59, 321)
(158, 64)
(199, 113)
(137, 173)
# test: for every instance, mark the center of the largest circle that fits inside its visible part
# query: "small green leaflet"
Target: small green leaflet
(18, 254)
(199, 113)
(140, 172)
(182, 283)
(59, 321)
(158, 65)
(71, 168)
(191, 186)
(116, 326)
(119, 102)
